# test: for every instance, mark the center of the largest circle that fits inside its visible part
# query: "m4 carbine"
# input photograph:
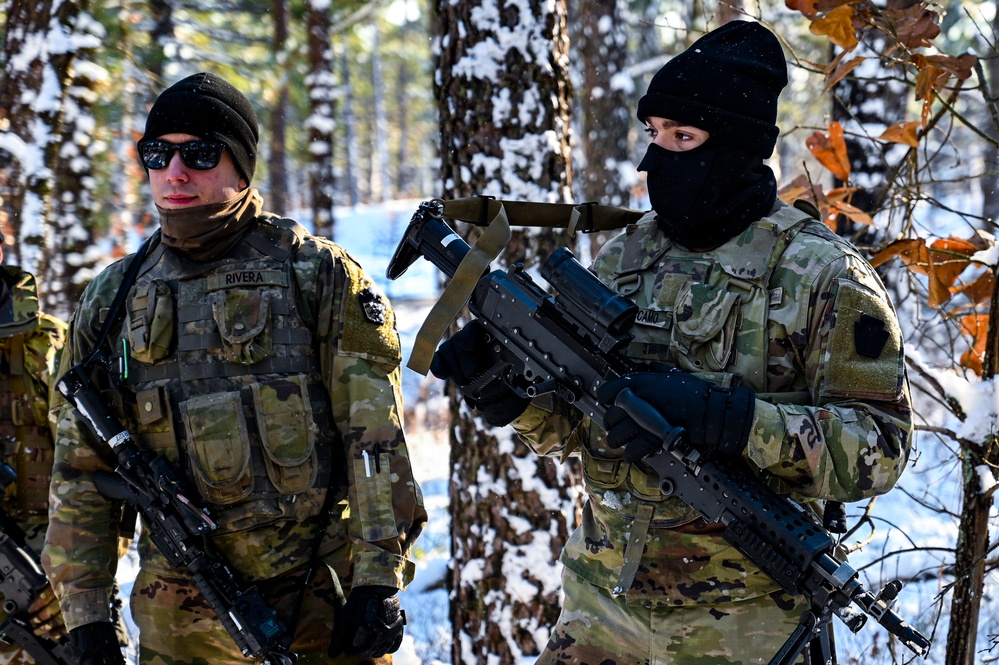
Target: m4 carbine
(569, 344)
(151, 484)
(23, 581)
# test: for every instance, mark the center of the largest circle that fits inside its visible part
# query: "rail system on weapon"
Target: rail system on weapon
(151, 484)
(569, 343)
(23, 581)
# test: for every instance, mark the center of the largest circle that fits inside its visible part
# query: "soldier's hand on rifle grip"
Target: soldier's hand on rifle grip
(715, 418)
(96, 644)
(45, 616)
(465, 358)
(370, 625)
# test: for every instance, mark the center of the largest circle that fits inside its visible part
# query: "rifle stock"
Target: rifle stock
(23, 581)
(569, 344)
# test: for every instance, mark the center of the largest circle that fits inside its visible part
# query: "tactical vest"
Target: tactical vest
(222, 374)
(27, 443)
(705, 312)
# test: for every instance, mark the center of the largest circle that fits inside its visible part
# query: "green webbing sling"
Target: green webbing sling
(497, 217)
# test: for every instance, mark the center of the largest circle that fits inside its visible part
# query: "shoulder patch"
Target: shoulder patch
(373, 305)
(367, 322)
(865, 356)
(869, 336)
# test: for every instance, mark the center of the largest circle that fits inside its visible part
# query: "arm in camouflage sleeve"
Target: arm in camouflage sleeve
(360, 355)
(42, 353)
(853, 439)
(80, 554)
(550, 427)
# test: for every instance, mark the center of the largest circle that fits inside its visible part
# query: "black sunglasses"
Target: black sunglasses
(197, 155)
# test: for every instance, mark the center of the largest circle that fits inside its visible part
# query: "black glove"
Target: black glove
(715, 418)
(370, 624)
(464, 358)
(96, 644)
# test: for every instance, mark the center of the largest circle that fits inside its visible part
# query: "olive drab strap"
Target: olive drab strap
(635, 548)
(497, 217)
(445, 310)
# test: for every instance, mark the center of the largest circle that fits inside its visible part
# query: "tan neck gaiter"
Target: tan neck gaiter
(207, 232)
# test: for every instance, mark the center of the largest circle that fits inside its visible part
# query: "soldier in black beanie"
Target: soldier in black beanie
(249, 344)
(212, 109)
(767, 338)
(726, 84)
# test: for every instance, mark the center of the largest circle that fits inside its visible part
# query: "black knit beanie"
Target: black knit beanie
(726, 83)
(205, 106)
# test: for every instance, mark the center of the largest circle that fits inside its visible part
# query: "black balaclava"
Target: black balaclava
(726, 83)
(210, 108)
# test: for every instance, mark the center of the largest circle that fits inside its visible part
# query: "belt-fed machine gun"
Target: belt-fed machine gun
(23, 581)
(569, 344)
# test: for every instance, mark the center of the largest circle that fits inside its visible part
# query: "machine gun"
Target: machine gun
(23, 581)
(151, 484)
(569, 344)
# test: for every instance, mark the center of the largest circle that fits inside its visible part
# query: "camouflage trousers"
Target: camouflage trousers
(596, 628)
(176, 626)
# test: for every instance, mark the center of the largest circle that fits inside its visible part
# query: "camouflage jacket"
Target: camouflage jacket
(30, 342)
(786, 308)
(271, 377)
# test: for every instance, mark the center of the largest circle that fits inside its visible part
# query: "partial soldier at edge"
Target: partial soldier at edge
(30, 343)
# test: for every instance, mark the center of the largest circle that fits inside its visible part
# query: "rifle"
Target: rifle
(151, 484)
(23, 581)
(569, 344)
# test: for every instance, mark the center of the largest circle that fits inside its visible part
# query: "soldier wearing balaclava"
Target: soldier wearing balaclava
(767, 338)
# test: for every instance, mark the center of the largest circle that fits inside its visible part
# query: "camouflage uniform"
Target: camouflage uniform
(786, 307)
(30, 342)
(271, 376)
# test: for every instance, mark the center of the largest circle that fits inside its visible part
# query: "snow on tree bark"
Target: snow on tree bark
(503, 93)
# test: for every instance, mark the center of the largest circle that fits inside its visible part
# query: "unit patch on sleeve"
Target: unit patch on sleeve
(869, 336)
(373, 305)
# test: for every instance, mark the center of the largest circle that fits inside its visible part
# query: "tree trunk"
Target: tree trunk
(279, 200)
(969, 560)
(978, 458)
(380, 180)
(990, 178)
(32, 122)
(351, 148)
(322, 101)
(504, 132)
(74, 207)
(162, 18)
(605, 100)
(18, 85)
(404, 175)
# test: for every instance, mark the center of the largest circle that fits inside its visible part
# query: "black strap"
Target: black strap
(117, 305)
